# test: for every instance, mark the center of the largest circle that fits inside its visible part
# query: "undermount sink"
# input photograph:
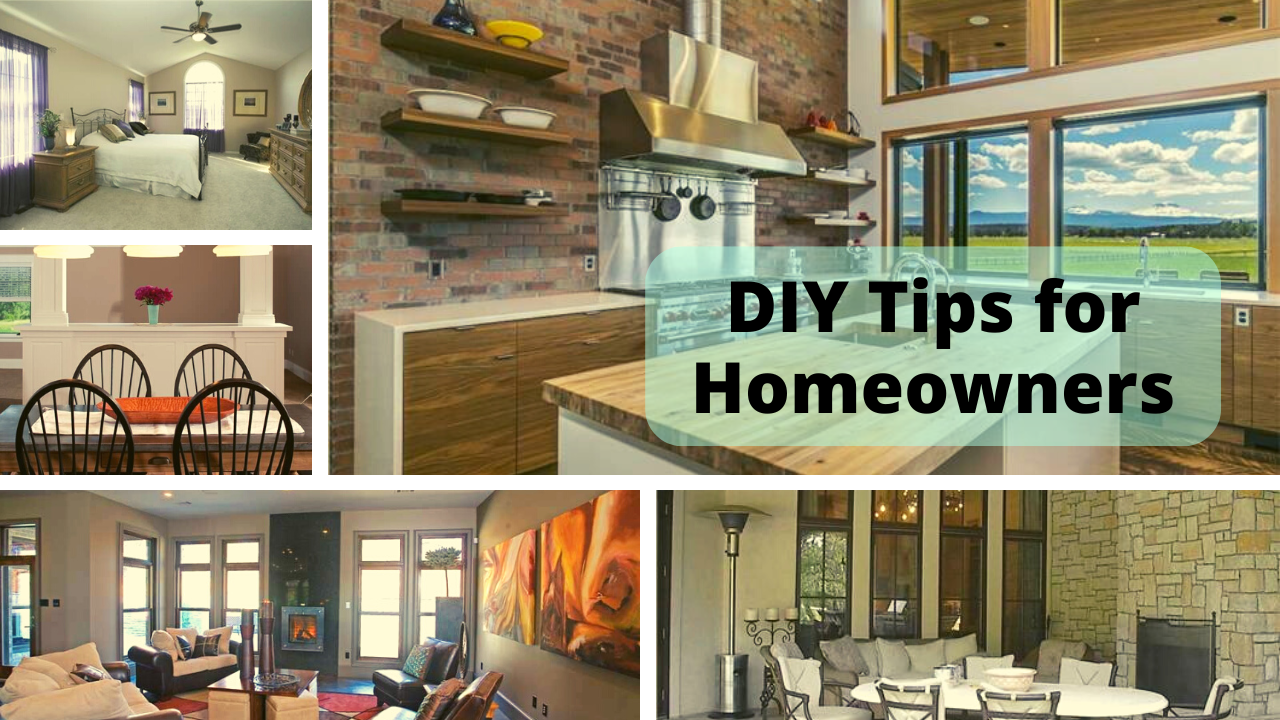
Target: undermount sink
(860, 333)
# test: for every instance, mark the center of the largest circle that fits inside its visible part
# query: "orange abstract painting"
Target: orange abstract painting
(590, 582)
(506, 584)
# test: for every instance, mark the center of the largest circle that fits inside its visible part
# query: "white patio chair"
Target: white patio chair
(802, 686)
(1018, 706)
(1079, 672)
(1221, 701)
(912, 700)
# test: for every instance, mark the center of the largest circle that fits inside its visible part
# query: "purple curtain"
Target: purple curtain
(135, 101)
(24, 96)
(203, 111)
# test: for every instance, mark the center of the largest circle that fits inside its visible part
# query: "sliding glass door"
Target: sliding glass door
(137, 590)
(18, 607)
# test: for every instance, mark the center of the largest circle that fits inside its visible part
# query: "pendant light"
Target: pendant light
(241, 250)
(63, 252)
(153, 251)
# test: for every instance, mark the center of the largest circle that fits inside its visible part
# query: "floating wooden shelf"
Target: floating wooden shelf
(426, 38)
(832, 137)
(410, 120)
(831, 222)
(432, 207)
(847, 182)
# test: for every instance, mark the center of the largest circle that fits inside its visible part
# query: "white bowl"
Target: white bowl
(1016, 680)
(525, 117)
(448, 102)
(838, 214)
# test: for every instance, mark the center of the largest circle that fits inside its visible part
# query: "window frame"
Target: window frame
(897, 529)
(179, 607)
(223, 95)
(226, 567)
(979, 533)
(1040, 536)
(811, 524)
(27, 261)
(415, 632)
(357, 609)
(33, 561)
(127, 533)
(1058, 178)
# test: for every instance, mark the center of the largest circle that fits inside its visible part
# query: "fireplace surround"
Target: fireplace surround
(302, 628)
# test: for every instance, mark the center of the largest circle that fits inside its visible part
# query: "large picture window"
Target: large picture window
(1180, 177)
(241, 582)
(379, 596)
(962, 567)
(1025, 513)
(895, 563)
(442, 561)
(204, 101)
(15, 292)
(949, 42)
(137, 589)
(195, 583)
(824, 561)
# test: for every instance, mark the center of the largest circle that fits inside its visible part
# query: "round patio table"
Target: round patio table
(1081, 701)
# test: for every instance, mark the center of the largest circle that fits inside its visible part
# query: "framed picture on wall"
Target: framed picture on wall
(252, 103)
(162, 103)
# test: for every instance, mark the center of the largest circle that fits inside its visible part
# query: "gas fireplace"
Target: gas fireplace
(303, 629)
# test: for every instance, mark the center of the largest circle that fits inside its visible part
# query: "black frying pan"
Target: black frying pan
(703, 207)
(668, 207)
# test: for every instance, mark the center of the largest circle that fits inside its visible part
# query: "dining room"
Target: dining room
(155, 359)
(911, 604)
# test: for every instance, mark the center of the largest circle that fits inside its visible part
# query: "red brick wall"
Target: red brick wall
(378, 263)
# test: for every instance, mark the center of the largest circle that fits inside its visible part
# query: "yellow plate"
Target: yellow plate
(514, 33)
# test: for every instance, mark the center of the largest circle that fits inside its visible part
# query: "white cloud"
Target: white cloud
(1125, 154)
(979, 162)
(1014, 157)
(1111, 129)
(1165, 187)
(908, 189)
(1165, 210)
(1024, 185)
(991, 182)
(1244, 126)
(1240, 177)
(1237, 153)
(1099, 176)
(1079, 210)
(909, 161)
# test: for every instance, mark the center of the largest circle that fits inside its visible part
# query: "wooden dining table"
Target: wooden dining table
(153, 453)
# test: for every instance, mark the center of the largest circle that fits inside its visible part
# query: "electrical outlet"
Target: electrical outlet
(57, 602)
(544, 709)
(589, 263)
(348, 654)
(535, 702)
(1242, 316)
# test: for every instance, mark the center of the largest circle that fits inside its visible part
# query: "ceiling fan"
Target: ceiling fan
(200, 30)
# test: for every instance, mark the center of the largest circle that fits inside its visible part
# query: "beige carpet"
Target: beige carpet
(238, 195)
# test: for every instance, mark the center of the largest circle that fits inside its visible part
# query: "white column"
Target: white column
(256, 291)
(995, 572)
(49, 292)
(930, 559)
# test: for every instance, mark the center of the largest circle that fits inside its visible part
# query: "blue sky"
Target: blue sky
(1205, 165)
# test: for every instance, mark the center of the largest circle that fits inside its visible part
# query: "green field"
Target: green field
(1115, 257)
(13, 313)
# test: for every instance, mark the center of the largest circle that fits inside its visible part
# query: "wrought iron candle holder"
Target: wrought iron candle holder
(778, 629)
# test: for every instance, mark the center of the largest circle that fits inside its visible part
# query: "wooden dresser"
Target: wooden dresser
(291, 165)
(65, 178)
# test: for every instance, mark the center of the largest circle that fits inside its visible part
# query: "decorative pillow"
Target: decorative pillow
(24, 682)
(164, 642)
(419, 660)
(92, 701)
(68, 659)
(957, 649)
(184, 648)
(976, 666)
(139, 128)
(188, 634)
(437, 704)
(870, 656)
(224, 639)
(111, 133)
(844, 656)
(1051, 654)
(894, 660)
(44, 667)
(787, 648)
(87, 674)
(124, 128)
(926, 656)
(206, 646)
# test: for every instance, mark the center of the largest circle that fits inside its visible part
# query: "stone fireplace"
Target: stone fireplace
(303, 629)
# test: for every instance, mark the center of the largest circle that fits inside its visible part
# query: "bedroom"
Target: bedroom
(194, 96)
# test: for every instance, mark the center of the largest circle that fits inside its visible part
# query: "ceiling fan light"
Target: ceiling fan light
(198, 36)
(241, 250)
(152, 251)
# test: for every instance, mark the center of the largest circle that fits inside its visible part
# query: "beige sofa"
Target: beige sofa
(912, 659)
(87, 654)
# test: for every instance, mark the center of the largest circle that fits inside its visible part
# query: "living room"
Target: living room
(818, 604)
(359, 604)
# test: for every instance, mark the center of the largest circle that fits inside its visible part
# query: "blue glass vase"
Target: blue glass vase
(454, 16)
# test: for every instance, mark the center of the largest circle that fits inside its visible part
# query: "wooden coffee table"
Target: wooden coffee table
(258, 695)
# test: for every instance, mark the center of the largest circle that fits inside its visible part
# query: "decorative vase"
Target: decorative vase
(246, 645)
(153, 314)
(266, 638)
(50, 141)
(454, 16)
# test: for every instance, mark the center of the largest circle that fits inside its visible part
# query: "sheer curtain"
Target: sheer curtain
(203, 112)
(135, 101)
(24, 96)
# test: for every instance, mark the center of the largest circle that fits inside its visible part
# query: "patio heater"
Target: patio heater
(731, 667)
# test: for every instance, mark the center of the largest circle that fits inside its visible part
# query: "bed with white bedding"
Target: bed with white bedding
(155, 164)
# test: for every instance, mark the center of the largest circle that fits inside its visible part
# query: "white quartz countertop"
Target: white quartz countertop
(436, 317)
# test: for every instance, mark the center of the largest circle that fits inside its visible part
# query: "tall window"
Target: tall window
(962, 575)
(24, 96)
(958, 41)
(137, 106)
(241, 582)
(379, 606)
(442, 560)
(137, 589)
(195, 583)
(15, 292)
(18, 561)
(823, 563)
(1024, 572)
(1187, 176)
(1093, 29)
(895, 563)
(966, 191)
(203, 101)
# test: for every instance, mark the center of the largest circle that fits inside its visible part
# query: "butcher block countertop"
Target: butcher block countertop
(615, 398)
(436, 317)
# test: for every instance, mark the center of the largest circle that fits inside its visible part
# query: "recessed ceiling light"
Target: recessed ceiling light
(1006, 26)
(1001, 44)
(1227, 19)
(167, 493)
(979, 20)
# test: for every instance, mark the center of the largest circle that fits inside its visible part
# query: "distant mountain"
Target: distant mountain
(1078, 218)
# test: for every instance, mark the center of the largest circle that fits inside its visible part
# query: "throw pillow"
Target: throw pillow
(787, 648)
(224, 639)
(44, 667)
(87, 673)
(188, 634)
(124, 128)
(419, 660)
(1051, 653)
(23, 682)
(894, 660)
(843, 655)
(164, 642)
(92, 701)
(976, 666)
(926, 656)
(437, 704)
(67, 659)
(957, 649)
(111, 133)
(139, 128)
(870, 656)
(206, 646)
(184, 648)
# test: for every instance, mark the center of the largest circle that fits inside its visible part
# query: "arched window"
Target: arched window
(205, 96)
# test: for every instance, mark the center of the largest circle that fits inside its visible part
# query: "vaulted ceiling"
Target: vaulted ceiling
(127, 32)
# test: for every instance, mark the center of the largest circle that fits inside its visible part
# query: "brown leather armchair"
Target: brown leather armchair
(399, 688)
(472, 704)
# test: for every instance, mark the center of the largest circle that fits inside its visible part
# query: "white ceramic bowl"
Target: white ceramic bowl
(448, 102)
(838, 214)
(1015, 680)
(526, 117)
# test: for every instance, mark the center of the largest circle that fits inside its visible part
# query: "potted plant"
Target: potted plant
(49, 123)
(153, 297)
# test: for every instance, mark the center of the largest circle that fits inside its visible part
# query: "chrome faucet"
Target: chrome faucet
(931, 268)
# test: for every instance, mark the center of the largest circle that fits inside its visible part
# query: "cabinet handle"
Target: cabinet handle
(507, 356)
(593, 312)
(464, 328)
(593, 341)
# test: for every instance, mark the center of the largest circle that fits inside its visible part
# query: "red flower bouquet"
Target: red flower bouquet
(152, 295)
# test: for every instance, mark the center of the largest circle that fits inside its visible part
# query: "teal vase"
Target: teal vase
(153, 314)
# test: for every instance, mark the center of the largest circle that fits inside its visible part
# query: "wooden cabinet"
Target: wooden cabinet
(459, 400)
(1265, 343)
(291, 165)
(1227, 368)
(65, 178)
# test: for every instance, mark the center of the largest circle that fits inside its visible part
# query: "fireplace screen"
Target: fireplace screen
(1177, 658)
(303, 629)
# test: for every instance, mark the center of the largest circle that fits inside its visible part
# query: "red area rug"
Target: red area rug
(345, 702)
(182, 705)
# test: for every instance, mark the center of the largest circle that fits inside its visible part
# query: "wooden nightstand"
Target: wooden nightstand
(65, 178)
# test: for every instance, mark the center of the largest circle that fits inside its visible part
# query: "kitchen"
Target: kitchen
(450, 330)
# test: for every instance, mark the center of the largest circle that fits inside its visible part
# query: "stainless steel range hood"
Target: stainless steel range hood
(698, 110)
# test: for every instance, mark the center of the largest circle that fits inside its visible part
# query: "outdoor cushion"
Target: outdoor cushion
(843, 655)
(871, 656)
(211, 662)
(894, 660)
(1079, 672)
(926, 656)
(976, 666)
(53, 671)
(957, 649)
(92, 701)
(1048, 668)
(25, 682)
